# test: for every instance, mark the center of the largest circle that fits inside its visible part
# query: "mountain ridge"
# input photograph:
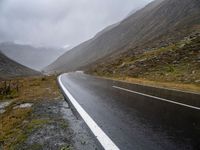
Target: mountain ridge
(11, 69)
(158, 23)
(32, 57)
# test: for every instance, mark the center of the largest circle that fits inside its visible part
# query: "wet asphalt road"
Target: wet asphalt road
(134, 121)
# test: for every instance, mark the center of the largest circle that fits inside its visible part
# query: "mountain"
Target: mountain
(177, 63)
(10, 68)
(35, 58)
(158, 24)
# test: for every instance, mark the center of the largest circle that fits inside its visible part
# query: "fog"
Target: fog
(60, 23)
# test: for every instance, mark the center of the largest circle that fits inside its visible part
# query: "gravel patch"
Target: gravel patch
(82, 137)
(55, 127)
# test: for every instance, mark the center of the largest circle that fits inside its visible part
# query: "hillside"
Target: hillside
(10, 68)
(32, 57)
(158, 24)
(175, 63)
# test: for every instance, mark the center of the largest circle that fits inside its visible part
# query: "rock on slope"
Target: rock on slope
(159, 22)
(10, 68)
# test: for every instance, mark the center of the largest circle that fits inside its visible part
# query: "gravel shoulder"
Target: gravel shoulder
(59, 129)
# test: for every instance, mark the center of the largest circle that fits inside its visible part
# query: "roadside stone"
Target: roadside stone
(2, 111)
(175, 62)
(132, 66)
(122, 65)
(197, 81)
(25, 105)
(3, 106)
(193, 72)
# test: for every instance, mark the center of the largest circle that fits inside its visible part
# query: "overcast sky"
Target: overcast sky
(60, 22)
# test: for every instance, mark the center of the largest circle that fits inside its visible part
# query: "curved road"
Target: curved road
(134, 117)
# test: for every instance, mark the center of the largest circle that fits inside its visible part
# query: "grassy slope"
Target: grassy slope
(176, 65)
(17, 124)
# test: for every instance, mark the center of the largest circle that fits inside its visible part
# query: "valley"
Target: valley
(135, 85)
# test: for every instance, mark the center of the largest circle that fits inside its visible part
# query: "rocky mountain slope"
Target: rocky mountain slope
(158, 24)
(177, 63)
(32, 57)
(10, 68)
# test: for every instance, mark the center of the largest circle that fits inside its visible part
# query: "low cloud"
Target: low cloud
(59, 22)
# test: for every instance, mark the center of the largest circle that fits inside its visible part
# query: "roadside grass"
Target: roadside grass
(179, 77)
(36, 123)
(175, 66)
(170, 85)
(39, 88)
(17, 124)
(32, 88)
(12, 127)
(8, 89)
(182, 73)
(11, 95)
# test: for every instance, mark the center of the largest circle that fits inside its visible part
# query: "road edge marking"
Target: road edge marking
(161, 99)
(104, 140)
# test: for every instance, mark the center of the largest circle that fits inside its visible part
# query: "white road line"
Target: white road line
(105, 141)
(158, 98)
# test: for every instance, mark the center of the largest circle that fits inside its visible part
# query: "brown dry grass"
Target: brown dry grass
(170, 85)
(14, 121)
(12, 127)
(39, 88)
